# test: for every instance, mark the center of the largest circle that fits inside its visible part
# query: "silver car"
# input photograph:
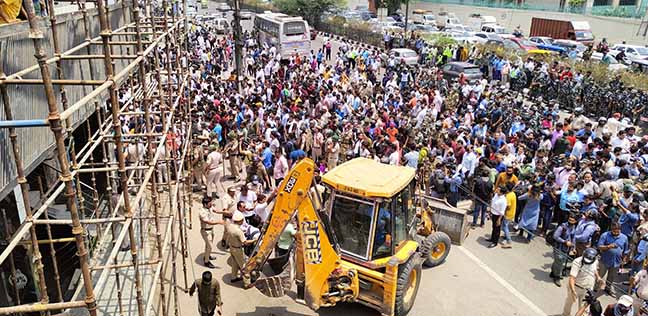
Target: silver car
(408, 56)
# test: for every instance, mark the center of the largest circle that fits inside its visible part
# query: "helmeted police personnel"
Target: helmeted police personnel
(209, 297)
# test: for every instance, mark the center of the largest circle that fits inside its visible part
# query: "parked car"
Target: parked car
(457, 27)
(487, 36)
(640, 65)
(425, 28)
(224, 7)
(453, 70)
(542, 40)
(546, 43)
(632, 52)
(246, 15)
(523, 44)
(405, 55)
(220, 25)
(465, 37)
(570, 46)
(492, 28)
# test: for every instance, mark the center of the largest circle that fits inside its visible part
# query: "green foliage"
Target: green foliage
(600, 72)
(391, 5)
(310, 10)
(439, 40)
(576, 3)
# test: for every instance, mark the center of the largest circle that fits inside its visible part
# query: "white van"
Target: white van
(220, 25)
(477, 21)
(494, 28)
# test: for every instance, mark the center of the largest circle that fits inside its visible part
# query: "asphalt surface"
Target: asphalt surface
(474, 280)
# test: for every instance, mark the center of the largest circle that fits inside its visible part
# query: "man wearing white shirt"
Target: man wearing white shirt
(620, 141)
(497, 207)
(469, 161)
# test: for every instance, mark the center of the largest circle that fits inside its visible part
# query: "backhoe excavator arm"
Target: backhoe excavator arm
(325, 281)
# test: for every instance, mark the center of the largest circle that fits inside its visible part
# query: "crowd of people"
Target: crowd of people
(528, 166)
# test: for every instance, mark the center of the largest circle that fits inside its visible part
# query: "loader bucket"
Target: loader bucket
(274, 286)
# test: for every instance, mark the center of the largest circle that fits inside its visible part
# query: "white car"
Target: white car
(429, 19)
(632, 52)
(487, 36)
(408, 56)
(221, 25)
(466, 37)
(246, 15)
(223, 7)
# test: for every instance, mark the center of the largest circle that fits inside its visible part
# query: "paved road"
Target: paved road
(474, 280)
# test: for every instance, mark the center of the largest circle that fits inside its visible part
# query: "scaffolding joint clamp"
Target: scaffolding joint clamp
(77, 230)
(35, 34)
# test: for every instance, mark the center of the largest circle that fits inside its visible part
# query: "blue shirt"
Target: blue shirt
(297, 154)
(564, 233)
(641, 251)
(267, 158)
(628, 222)
(218, 130)
(566, 197)
(454, 182)
(612, 257)
(584, 230)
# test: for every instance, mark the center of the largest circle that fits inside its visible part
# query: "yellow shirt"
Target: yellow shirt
(10, 8)
(511, 205)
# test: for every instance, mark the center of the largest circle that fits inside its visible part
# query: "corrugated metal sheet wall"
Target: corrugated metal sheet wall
(29, 102)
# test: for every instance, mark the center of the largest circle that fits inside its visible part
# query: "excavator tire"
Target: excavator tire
(435, 248)
(409, 279)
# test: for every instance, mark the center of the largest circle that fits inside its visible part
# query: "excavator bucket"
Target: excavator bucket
(274, 286)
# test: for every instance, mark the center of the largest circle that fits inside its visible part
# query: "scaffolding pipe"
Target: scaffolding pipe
(57, 129)
(52, 60)
(39, 307)
(24, 187)
(12, 263)
(112, 80)
(23, 123)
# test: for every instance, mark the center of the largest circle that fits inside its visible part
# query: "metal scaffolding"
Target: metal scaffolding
(155, 39)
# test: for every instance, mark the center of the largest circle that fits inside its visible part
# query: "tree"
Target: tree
(311, 10)
(391, 5)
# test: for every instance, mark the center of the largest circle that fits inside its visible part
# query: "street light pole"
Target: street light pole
(406, 15)
(238, 43)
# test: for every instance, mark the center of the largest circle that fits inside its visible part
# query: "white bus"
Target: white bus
(290, 35)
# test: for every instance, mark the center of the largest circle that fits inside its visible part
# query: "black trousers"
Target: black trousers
(497, 228)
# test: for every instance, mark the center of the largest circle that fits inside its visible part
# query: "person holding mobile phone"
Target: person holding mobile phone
(614, 247)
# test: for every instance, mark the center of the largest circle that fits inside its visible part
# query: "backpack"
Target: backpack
(438, 183)
(549, 237)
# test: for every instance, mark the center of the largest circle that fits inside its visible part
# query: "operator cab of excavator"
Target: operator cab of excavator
(370, 208)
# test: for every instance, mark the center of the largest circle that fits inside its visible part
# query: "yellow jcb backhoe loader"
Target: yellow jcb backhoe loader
(366, 244)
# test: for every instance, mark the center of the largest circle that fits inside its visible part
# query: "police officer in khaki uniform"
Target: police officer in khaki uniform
(209, 296)
(198, 161)
(233, 150)
(236, 241)
(207, 222)
(229, 207)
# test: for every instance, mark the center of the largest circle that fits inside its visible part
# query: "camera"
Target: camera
(594, 305)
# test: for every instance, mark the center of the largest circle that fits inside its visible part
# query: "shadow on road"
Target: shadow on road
(270, 311)
(541, 275)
